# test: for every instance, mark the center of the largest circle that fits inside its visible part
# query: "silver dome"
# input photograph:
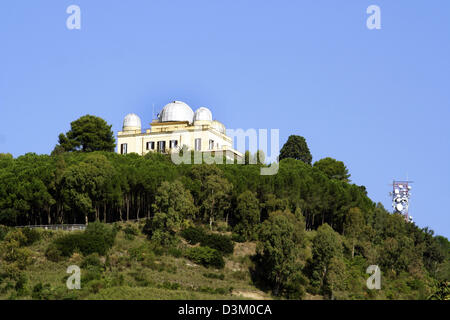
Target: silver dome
(203, 114)
(176, 111)
(132, 120)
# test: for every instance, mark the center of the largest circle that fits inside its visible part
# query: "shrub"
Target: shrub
(219, 276)
(169, 285)
(238, 238)
(31, 236)
(142, 253)
(91, 260)
(42, 292)
(3, 231)
(206, 257)
(130, 232)
(96, 285)
(91, 273)
(11, 251)
(193, 235)
(175, 252)
(97, 238)
(223, 244)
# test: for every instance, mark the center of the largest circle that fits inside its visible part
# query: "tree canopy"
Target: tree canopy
(296, 148)
(88, 133)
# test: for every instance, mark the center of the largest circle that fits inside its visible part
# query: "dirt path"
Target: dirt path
(250, 295)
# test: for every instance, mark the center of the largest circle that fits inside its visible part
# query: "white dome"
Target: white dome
(132, 120)
(203, 114)
(176, 111)
(218, 126)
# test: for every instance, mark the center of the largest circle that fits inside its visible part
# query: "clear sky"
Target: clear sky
(379, 100)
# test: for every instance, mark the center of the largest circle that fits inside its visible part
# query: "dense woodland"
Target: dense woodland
(316, 231)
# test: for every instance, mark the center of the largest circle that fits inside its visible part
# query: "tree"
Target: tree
(87, 134)
(247, 214)
(279, 253)
(333, 169)
(173, 203)
(218, 193)
(354, 226)
(326, 245)
(296, 148)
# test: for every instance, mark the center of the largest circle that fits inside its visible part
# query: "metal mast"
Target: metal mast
(401, 192)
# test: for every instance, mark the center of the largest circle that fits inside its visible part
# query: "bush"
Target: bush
(169, 285)
(223, 244)
(92, 260)
(175, 252)
(42, 292)
(91, 273)
(53, 253)
(219, 276)
(11, 252)
(31, 236)
(97, 238)
(130, 232)
(238, 238)
(3, 231)
(206, 257)
(193, 235)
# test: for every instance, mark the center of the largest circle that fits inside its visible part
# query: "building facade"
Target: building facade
(176, 126)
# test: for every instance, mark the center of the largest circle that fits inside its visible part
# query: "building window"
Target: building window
(198, 144)
(151, 145)
(161, 146)
(173, 144)
(123, 148)
(211, 144)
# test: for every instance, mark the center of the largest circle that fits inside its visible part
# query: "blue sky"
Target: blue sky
(379, 100)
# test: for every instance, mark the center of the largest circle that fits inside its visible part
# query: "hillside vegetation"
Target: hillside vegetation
(206, 230)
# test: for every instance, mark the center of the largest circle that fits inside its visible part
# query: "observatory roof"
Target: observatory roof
(203, 113)
(176, 111)
(132, 120)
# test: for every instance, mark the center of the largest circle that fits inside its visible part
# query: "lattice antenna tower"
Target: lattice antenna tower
(401, 193)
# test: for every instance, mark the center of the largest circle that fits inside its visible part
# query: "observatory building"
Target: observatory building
(177, 125)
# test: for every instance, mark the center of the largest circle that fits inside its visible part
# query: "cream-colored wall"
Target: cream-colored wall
(184, 133)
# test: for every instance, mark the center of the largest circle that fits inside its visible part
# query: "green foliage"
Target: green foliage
(97, 238)
(31, 236)
(12, 250)
(87, 134)
(333, 169)
(206, 256)
(3, 231)
(91, 260)
(221, 243)
(130, 232)
(279, 254)
(296, 148)
(326, 255)
(80, 187)
(193, 235)
(219, 276)
(247, 215)
(52, 253)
